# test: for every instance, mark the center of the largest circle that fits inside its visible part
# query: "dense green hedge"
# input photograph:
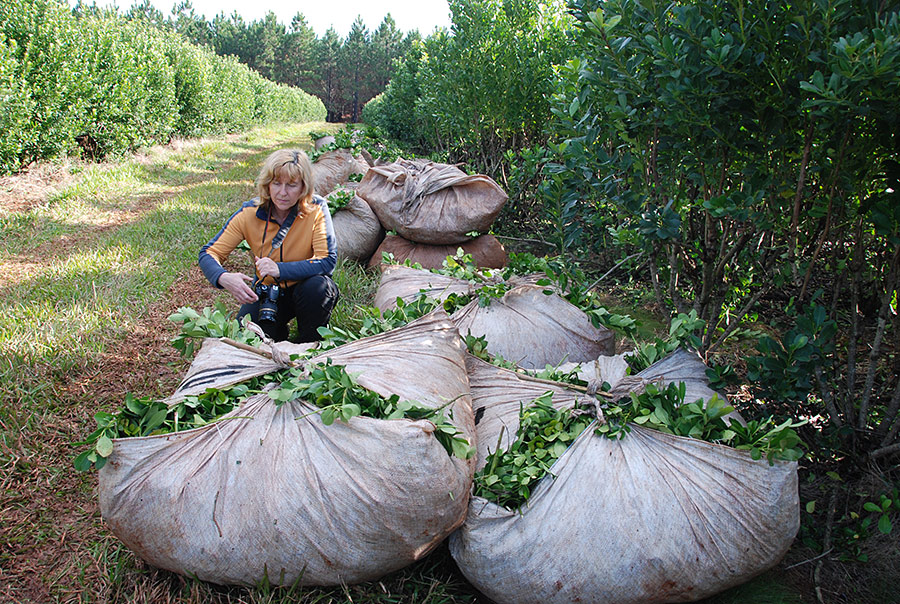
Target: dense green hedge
(98, 84)
(482, 89)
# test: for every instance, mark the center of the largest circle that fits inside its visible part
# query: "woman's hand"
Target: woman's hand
(237, 285)
(266, 267)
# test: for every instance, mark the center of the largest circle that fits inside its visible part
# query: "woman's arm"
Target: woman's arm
(214, 253)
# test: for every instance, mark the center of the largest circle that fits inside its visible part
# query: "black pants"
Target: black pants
(309, 301)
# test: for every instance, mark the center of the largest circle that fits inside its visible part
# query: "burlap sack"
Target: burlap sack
(324, 140)
(486, 252)
(650, 518)
(357, 230)
(270, 491)
(533, 329)
(333, 168)
(432, 203)
(530, 325)
(405, 283)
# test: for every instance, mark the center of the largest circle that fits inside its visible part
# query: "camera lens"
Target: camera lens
(268, 302)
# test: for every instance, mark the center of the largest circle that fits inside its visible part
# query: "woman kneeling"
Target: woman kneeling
(289, 231)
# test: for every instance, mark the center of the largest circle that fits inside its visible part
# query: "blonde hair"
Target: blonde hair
(288, 165)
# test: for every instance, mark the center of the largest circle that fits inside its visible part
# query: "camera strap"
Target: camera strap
(283, 231)
(278, 239)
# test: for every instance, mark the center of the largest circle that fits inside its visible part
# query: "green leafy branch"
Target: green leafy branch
(886, 505)
(375, 321)
(509, 476)
(339, 199)
(208, 323)
(490, 285)
(144, 416)
(681, 334)
(664, 409)
(559, 277)
(340, 397)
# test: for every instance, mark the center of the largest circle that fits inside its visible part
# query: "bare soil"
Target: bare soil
(37, 185)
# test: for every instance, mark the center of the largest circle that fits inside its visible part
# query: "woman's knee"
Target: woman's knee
(317, 294)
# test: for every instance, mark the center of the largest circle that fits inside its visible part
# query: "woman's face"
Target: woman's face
(285, 193)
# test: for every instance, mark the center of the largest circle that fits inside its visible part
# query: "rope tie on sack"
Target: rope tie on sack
(632, 383)
(594, 389)
(594, 386)
(280, 358)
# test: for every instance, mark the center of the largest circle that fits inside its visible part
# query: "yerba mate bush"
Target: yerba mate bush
(97, 84)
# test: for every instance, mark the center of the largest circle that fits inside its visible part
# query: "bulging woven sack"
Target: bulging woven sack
(530, 325)
(334, 168)
(323, 140)
(486, 252)
(357, 230)
(650, 518)
(534, 329)
(432, 203)
(271, 491)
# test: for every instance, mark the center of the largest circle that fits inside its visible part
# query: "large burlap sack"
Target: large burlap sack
(649, 518)
(534, 329)
(530, 325)
(270, 491)
(486, 252)
(357, 230)
(334, 168)
(432, 203)
(323, 140)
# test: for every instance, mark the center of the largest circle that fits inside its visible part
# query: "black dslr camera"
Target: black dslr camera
(268, 301)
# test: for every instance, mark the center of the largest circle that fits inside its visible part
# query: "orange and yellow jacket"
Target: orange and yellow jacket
(309, 247)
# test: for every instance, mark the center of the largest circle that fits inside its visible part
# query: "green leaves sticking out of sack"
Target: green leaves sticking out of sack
(544, 434)
(529, 324)
(340, 397)
(272, 490)
(677, 518)
(666, 409)
(144, 416)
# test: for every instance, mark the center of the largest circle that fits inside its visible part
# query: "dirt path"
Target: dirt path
(53, 545)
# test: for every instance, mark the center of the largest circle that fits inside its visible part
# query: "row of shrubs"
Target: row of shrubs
(98, 84)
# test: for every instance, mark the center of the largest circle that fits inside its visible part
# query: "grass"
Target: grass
(94, 271)
(101, 285)
(357, 286)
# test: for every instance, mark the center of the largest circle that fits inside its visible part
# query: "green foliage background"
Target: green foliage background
(738, 161)
(343, 72)
(98, 84)
(481, 89)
